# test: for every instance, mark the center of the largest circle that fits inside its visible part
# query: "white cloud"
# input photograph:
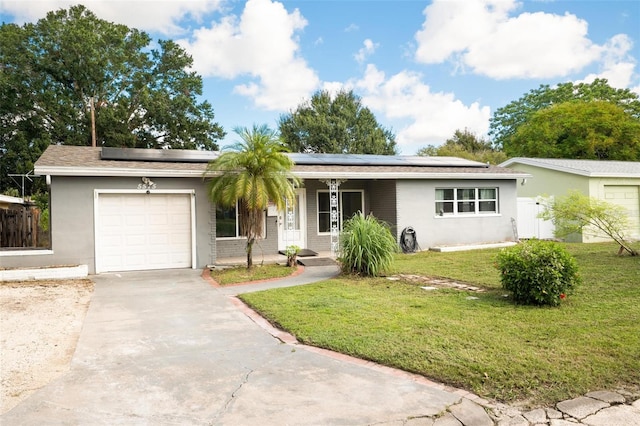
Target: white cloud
(618, 66)
(261, 44)
(351, 28)
(147, 15)
(482, 36)
(432, 117)
(367, 50)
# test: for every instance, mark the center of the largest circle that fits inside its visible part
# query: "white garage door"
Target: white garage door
(143, 231)
(627, 197)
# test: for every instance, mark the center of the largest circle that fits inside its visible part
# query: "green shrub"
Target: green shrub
(366, 246)
(538, 272)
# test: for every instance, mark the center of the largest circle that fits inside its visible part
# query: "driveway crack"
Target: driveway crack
(233, 396)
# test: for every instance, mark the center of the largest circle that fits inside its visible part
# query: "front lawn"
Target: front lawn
(240, 274)
(487, 345)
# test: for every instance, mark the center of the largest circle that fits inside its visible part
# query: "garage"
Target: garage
(626, 196)
(140, 231)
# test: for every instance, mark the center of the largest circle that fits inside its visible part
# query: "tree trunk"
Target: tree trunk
(249, 252)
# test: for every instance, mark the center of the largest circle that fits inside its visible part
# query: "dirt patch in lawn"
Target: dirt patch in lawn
(40, 322)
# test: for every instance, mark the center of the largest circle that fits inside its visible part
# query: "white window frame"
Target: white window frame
(476, 200)
(238, 236)
(340, 192)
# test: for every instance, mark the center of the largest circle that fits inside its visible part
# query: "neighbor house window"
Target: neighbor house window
(466, 201)
(349, 203)
(228, 223)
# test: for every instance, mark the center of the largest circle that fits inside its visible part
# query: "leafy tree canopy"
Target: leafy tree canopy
(335, 125)
(465, 144)
(507, 120)
(596, 130)
(52, 71)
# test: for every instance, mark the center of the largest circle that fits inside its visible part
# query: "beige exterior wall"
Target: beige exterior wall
(546, 182)
(627, 194)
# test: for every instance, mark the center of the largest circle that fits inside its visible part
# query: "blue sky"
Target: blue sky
(425, 68)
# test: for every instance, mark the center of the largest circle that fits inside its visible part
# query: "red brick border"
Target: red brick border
(290, 339)
(206, 275)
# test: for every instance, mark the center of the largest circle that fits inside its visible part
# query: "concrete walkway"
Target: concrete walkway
(168, 348)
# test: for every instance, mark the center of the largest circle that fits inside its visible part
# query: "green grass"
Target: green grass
(489, 346)
(241, 274)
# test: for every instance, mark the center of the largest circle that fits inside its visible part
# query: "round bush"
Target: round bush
(538, 272)
(366, 246)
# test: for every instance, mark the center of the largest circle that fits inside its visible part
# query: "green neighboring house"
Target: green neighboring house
(616, 182)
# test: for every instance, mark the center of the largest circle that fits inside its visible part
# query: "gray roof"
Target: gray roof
(591, 168)
(62, 160)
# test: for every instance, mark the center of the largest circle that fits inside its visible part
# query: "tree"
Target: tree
(465, 144)
(578, 213)
(594, 130)
(506, 120)
(56, 74)
(249, 175)
(335, 125)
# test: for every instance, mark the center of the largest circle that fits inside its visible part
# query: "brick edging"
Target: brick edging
(206, 275)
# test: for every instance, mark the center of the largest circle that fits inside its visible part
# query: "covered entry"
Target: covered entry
(140, 230)
(292, 223)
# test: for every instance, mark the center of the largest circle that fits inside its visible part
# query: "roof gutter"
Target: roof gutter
(127, 172)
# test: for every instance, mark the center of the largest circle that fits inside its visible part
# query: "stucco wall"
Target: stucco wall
(416, 208)
(545, 182)
(72, 220)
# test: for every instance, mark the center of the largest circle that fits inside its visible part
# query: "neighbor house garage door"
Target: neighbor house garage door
(627, 197)
(143, 231)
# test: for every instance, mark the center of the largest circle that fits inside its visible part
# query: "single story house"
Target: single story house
(616, 182)
(119, 209)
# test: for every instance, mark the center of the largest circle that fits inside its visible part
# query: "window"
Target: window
(349, 203)
(466, 201)
(228, 224)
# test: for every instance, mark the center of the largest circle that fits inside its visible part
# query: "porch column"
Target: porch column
(334, 185)
(289, 221)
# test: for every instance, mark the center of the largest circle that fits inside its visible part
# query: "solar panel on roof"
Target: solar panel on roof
(158, 155)
(193, 156)
(381, 160)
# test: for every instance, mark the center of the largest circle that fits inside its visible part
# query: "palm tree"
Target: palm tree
(248, 175)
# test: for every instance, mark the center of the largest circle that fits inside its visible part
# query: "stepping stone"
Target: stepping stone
(556, 422)
(429, 288)
(470, 414)
(618, 415)
(419, 421)
(447, 420)
(514, 421)
(536, 416)
(553, 414)
(606, 396)
(581, 407)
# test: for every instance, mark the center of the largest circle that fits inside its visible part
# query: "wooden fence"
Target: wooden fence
(19, 226)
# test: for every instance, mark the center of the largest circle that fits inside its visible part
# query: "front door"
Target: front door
(292, 223)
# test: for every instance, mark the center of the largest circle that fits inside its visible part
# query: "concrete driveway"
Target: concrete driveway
(167, 348)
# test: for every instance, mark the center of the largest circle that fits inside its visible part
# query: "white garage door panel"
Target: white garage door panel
(143, 231)
(627, 196)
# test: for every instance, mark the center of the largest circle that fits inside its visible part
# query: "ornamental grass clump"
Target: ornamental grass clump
(538, 272)
(367, 246)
